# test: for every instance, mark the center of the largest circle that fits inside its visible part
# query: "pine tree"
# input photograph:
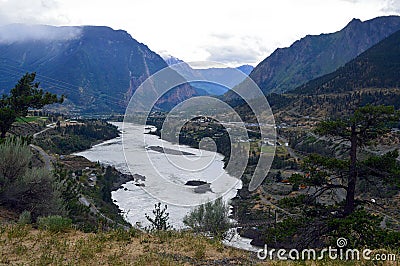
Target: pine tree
(357, 131)
(26, 94)
(160, 220)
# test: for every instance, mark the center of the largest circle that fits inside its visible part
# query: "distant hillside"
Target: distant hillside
(228, 76)
(371, 78)
(246, 69)
(314, 56)
(97, 68)
(378, 67)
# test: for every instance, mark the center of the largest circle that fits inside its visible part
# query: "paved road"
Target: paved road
(51, 126)
(48, 159)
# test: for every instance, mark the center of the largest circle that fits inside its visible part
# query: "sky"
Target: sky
(231, 32)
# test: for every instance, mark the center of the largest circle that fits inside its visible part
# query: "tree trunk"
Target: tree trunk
(352, 179)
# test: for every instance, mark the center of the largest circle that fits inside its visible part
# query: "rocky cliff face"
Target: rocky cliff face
(314, 56)
(375, 69)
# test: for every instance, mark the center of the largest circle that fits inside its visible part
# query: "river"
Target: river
(164, 181)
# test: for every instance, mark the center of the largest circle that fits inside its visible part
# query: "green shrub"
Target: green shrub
(25, 188)
(25, 218)
(15, 156)
(211, 217)
(363, 229)
(54, 223)
(35, 190)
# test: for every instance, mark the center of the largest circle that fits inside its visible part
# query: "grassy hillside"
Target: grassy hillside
(25, 245)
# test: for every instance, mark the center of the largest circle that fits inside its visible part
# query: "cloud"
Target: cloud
(230, 54)
(391, 7)
(15, 13)
(235, 50)
(222, 36)
(385, 6)
(203, 30)
(20, 32)
(31, 12)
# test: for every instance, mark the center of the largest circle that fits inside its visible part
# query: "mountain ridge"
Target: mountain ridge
(370, 78)
(377, 67)
(98, 69)
(227, 76)
(315, 55)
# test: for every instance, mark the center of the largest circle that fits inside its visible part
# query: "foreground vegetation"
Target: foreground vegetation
(29, 188)
(23, 187)
(25, 245)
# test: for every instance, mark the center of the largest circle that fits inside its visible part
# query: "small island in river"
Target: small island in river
(168, 150)
(200, 186)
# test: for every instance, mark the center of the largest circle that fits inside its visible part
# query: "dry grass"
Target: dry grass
(22, 245)
(7, 216)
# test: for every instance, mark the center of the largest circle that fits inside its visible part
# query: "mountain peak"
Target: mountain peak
(317, 55)
(353, 25)
(355, 21)
(246, 69)
(171, 60)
